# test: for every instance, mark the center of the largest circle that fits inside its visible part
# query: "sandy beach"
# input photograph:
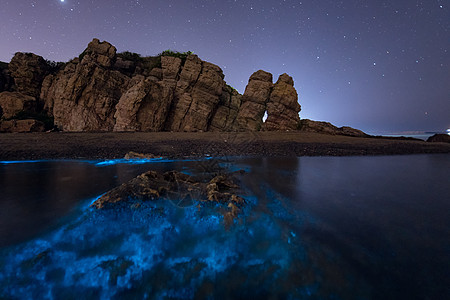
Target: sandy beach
(63, 145)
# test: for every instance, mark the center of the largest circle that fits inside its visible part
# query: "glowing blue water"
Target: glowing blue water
(321, 228)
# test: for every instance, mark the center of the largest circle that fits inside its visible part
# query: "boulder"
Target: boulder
(283, 107)
(254, 102)
(11, 103)
(328, 128)
(28, 71)
(439, 138)
(102, 53)
(28, 125)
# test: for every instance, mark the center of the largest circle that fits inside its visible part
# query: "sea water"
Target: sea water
(312, 227)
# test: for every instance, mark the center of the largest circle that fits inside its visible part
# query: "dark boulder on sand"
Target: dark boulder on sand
(439, 138)
(306, 125)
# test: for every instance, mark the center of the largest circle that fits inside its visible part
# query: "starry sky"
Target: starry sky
(379, 66)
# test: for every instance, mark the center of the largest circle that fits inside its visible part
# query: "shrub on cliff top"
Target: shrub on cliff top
(54, 66)
(127, 55)
(181, 55)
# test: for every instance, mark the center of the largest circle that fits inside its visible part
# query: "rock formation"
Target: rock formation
(328, 128)
(103, 90)
(254, 102)
(283, 107)
(28, 71)
(439, 138)
(177, 187)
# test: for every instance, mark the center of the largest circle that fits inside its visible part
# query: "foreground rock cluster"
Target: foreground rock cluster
(102, 90)
(179, 188)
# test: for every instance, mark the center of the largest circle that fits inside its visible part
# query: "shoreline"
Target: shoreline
(111, 145)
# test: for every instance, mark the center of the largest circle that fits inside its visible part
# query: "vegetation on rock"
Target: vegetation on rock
(127, 55)
(54, 66)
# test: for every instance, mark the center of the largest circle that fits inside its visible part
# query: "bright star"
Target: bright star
(62, 0)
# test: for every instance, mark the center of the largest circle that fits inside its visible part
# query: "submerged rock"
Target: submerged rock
(177, 187)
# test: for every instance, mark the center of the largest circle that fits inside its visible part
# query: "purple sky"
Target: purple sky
(379, 66)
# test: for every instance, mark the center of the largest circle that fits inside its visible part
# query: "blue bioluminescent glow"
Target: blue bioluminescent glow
(110, 162)
(321, 228)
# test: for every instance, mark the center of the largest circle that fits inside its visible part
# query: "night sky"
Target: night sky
(379, 66)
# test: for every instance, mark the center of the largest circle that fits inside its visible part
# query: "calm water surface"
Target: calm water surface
(313, 227)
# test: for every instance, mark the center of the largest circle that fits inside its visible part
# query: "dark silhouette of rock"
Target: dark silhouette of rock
(6, 81)
(328, 128)
(439, 138)
(283, 107)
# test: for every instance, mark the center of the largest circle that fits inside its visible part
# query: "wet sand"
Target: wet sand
(64, 145)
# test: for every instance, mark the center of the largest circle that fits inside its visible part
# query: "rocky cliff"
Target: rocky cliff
(103, 90)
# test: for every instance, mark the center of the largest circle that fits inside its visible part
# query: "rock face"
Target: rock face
(283, 107)
(83, 96)
(143, 107)
(328, 128)
(197, 95)
(439, 138)
(225, 116)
